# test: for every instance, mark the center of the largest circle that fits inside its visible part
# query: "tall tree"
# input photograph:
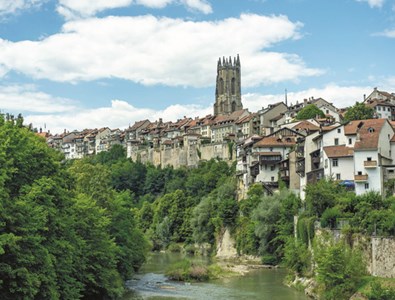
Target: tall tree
(359, 111)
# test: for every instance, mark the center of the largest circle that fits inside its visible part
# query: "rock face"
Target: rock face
(383, 257)
(226, 246)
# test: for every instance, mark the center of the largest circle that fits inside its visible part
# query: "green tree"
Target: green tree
(310, 111)
(339, 268)
(359, 111)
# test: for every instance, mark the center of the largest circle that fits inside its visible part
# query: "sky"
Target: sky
(76, 64)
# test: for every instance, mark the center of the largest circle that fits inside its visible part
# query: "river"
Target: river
(261, 284)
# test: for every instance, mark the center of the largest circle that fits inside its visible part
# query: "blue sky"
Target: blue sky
(73, 64)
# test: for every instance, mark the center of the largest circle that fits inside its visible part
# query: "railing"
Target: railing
(300, 167)
(360, 178)
(370, 163)
(314, 176)
(273, 159)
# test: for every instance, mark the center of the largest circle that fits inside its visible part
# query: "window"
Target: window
(336, 141)
(272, 178)
(369, 159)
(337, 176)
(335, 162)
(366, 186)
(339, 130)
(272, 168)
(349, 141)
(359, 172)
(378, 108)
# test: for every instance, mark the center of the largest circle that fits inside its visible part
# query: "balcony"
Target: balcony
(314, 176)
(269, 158)
(368, 164)
(300, 167)
(254, 169)
(361, 178)
(315, 160)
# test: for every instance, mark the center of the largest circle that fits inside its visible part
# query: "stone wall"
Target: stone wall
(188, 155)
(378, 252)
(383, 257)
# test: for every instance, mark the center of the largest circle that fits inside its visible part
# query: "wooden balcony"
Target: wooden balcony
(361, 178)
(315, 175)
(269, 158)
(368, 164)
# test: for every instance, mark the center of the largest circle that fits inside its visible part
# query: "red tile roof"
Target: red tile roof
(338, 151)
(275, 141)
(369, 134)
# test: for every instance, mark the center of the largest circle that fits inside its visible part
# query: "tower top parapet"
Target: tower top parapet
(227, 62)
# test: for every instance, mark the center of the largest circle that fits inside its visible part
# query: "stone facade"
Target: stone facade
(228, 87)
(188, 155)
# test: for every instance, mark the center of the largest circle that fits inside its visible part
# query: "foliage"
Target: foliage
(321, 195)
(185, 270)
(339, 268)
(297, 256)
(378, 292)
(64, 232)
(359, 111)
(310, 111)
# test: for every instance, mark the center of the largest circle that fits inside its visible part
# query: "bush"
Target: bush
(379, 292)
(185, 270)
(173, 247)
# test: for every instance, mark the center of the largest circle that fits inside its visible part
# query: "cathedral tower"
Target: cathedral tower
(228, 87)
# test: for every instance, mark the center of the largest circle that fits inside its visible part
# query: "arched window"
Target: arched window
(233, 86)
(221, 86)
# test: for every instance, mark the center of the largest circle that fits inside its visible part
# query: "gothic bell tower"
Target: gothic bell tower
(228, 87)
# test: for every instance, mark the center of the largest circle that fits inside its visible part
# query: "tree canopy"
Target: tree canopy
(310, 111)
(359, 111)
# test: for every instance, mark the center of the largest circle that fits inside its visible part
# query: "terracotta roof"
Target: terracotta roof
(352, 127)
(138, 124)
(338, 151)
(306, 125)
(275, 141)
(374, 102)
(245, 119)
(369, 134)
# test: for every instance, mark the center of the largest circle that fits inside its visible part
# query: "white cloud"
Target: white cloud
(373, 3)
(71, 9)
(20, 98)
(12, 6)
(340, 96)
(151, 50)
(119, 115)
(59, 114)
(198, 5)
(77, 8)
(390, 33)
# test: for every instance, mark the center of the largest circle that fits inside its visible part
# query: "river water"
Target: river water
(261, 284)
